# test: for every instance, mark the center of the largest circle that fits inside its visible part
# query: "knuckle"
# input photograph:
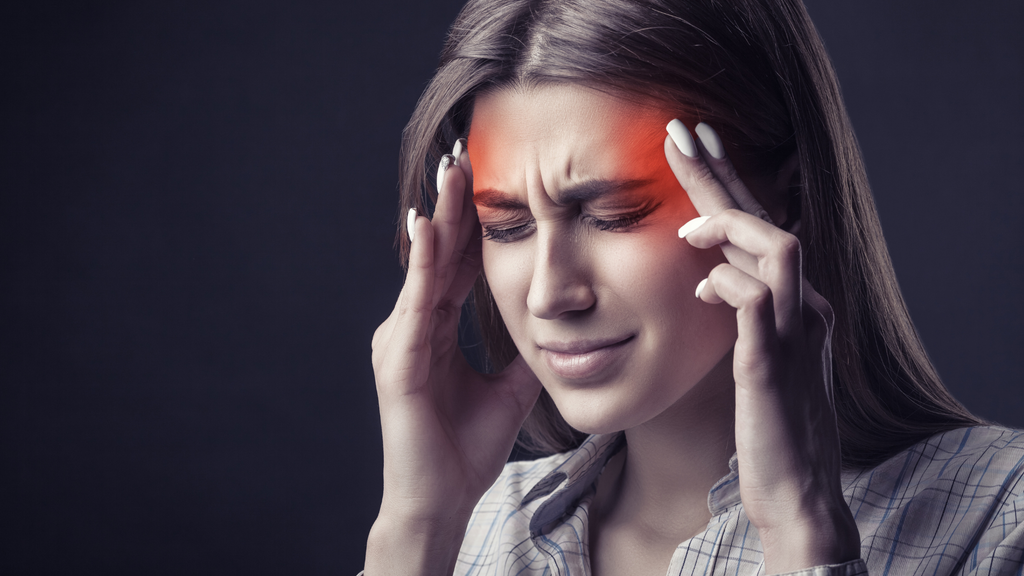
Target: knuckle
(758, 297)
(728, 174)
(717, 273)
(763, 215)
(784, 256)
(731, 217)
(705, 178)
(786, 245)
(380, 333)
(702, 173)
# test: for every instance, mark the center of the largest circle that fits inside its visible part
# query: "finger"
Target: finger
(757, 339)
(446, 221)
(713, 152)
(385, 330)
(707, 194)
(464, 261)
(470, 225)
(775, 261)
(413, 321)
(461, 153)
(465, 275)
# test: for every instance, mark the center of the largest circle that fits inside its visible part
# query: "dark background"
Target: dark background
(196, 223)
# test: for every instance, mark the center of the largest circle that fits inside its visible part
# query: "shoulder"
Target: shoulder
(953, 496)
(975, 454)
(985, 460)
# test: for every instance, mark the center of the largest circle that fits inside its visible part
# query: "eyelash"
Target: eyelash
(514, 233)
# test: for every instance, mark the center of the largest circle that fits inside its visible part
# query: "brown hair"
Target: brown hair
(757, 71)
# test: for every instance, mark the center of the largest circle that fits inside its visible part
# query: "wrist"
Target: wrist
(825, 537)
(400, 544)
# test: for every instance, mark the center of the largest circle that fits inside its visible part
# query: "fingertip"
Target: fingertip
(460, 153)
(711, 141)
(700, 287)
(457, 150)
(446, 161)
(410, 224)
(692, 225)
(681, 138)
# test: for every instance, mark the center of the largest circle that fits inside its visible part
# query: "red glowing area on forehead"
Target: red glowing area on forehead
(552, 138)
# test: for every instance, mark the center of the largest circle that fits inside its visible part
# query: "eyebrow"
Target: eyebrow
(583, 192)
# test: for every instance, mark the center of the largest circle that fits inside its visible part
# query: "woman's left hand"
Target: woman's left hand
(787, 443)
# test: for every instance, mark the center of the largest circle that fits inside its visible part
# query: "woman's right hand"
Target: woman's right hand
(447, 429)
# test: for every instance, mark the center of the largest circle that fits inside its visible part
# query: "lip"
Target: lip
(581, 359)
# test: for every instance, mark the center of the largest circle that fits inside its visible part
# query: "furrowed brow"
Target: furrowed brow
(593, 189)
(584, 192)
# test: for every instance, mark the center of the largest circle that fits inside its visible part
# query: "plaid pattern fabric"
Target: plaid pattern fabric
(949, 505)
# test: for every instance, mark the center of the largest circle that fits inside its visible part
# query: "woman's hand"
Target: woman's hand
(447, 429)
(787, 443)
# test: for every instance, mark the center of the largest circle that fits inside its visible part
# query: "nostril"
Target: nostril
(550, 301)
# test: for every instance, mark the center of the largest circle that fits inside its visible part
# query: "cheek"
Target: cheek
(654, 282)
(507, 269)
(656, 269)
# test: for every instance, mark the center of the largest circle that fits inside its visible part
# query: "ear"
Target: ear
(787, 187)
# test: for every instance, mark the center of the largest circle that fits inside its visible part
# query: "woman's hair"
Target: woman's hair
(757, 71)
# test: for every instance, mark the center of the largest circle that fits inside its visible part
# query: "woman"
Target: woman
(784, 419)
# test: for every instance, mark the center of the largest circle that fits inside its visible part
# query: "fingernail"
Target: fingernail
(460, 145)
(681, 136)
(700, 287)
(692, 225)
(709, 138)
(410, 223)
(446, 161)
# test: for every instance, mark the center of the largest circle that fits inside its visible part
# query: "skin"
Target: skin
(605, 319)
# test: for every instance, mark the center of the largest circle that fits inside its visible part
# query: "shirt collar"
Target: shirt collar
(562, 488)
(726, 492)
(565, 485)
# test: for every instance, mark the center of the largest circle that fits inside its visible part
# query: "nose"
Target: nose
(562, 283)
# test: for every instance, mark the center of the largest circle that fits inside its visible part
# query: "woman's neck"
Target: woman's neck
(657, 488)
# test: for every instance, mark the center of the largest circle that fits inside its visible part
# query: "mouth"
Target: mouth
(582, 359)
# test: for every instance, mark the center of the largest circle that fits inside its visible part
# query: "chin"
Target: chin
(594, 411)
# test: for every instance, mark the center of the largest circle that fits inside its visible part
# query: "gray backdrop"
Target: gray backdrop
(196, 223)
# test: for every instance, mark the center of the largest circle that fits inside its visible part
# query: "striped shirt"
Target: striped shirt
(949, 505)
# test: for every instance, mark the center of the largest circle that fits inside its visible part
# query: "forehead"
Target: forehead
(561, 134)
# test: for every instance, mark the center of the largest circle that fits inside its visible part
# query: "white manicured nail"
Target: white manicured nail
(700, 287)
(410, 223)
(457, 151)
(681, 136)
(709, 138)
(446, 161)
(692, 225)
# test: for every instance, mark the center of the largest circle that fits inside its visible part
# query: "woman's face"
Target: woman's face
(580, 213)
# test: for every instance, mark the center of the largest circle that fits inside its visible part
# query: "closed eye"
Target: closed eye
(513, 232)
(509, 233)
(622, 222)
